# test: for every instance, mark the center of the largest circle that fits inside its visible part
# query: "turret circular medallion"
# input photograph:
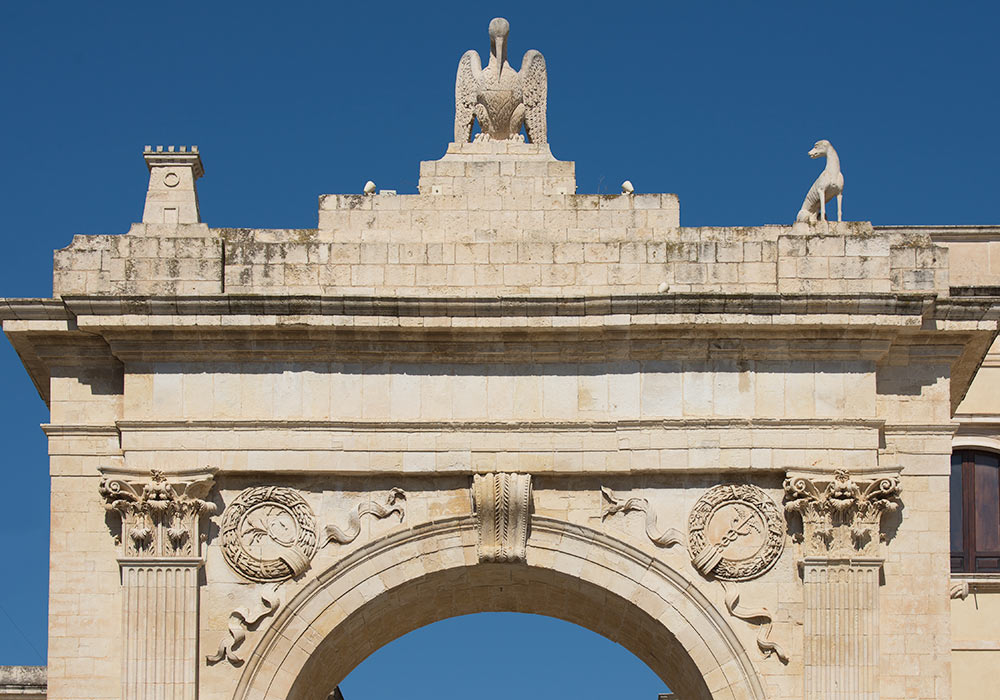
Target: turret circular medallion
(268, 533)
(735, 532)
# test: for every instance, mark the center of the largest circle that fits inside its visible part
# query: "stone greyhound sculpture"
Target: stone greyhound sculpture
(501, 98)
(829, 184)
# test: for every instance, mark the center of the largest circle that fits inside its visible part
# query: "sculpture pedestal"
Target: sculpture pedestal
(497, 167)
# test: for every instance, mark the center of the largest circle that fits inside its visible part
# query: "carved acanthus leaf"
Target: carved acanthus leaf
(159, 518)
(842, 516)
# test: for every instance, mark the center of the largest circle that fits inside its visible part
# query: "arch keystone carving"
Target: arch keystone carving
(502, 505)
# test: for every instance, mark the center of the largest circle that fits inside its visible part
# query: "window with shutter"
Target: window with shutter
(975, 512)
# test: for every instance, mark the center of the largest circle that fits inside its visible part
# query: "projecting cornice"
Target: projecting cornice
(712, 304)
(99, 329)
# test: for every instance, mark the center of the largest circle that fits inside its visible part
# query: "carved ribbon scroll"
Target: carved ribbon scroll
(241, 620)
(392, 502)
(668, 538)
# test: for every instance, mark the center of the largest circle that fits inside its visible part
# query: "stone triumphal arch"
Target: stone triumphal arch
(274, 451)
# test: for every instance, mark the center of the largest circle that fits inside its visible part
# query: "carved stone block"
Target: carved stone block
(268, 533)
(735, 532)
(841, 517)
(159, 519)
(502, 505)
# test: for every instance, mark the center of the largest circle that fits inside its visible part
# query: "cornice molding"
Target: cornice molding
(505, 426)
(975, 583)
(947, 234)
(896, 304)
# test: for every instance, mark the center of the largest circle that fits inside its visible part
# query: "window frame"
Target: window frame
(969, 558)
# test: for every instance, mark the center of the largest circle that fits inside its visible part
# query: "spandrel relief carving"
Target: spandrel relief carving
(394, 501)
(764, 642)
(268, 533)
(615, 504)
(735, 533)
(242, 620)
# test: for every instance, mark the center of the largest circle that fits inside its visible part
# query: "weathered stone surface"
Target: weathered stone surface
(172, 197)
(500, 98)
(495, 360)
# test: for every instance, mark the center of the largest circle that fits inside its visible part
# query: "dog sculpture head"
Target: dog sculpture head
(820, 149)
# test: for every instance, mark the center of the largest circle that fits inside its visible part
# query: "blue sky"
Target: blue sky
(717, 102)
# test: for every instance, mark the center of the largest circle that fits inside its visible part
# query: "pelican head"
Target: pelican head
(499, 29)
(821, 148)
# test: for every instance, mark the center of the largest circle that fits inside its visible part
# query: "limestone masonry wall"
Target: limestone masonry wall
(463, 252)
(786, 391)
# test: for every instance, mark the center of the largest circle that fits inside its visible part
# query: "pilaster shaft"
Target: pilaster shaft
(160, 629)
(160, 558)
(841, 628)
(842, 542)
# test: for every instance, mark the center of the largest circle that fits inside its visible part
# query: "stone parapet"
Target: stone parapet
(23, 682)
(500, 211)
(848, 258)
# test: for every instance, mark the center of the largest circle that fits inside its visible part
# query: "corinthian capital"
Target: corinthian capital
(841, 516)
(159, 518)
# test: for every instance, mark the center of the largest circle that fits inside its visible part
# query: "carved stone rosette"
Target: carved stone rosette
(841, 517)
(268, 533)
(735, 532)
(159, 519)
(502, 505)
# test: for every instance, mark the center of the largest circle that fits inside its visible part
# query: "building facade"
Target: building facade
(727, 449)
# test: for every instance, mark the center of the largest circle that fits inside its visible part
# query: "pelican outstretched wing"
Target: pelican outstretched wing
(534, 88)
(466, 87)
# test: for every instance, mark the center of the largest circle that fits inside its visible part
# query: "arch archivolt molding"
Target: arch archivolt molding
(975, 442)
(435, 570)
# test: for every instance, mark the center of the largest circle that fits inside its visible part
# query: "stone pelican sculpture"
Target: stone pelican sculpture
(501, 98)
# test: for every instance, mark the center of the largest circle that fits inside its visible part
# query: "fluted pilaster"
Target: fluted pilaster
(160, 629)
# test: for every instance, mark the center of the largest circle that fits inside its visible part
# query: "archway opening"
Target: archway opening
(506, 588)
(413, 578)
(501, 655)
